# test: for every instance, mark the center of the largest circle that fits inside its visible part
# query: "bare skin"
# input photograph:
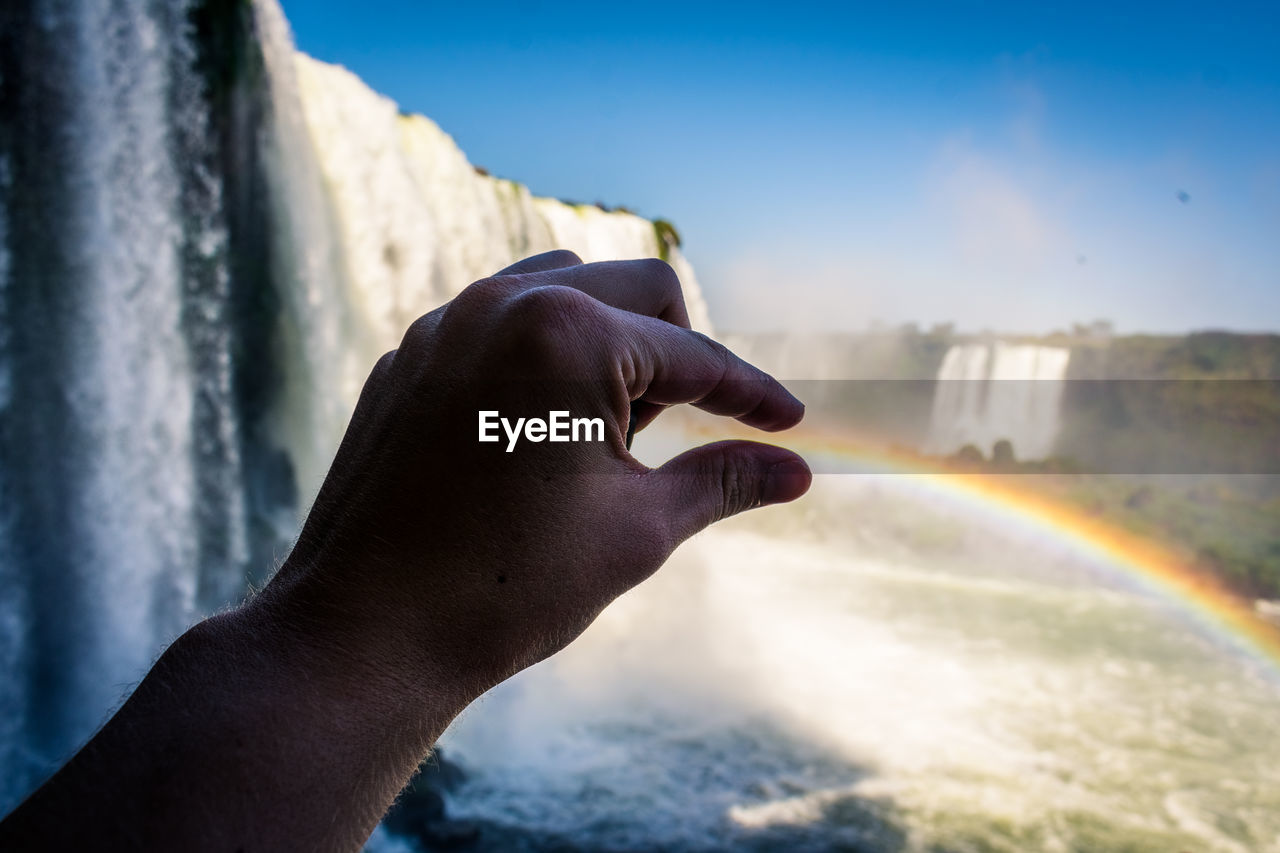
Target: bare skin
(430, 568)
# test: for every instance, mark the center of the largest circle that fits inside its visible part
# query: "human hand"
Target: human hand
(431, 567)
(456, 562)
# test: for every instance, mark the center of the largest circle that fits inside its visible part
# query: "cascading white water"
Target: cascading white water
(105, 353)
(138, 556)
(127, 319)
(990, 392)
(418, 222)
(325, 354)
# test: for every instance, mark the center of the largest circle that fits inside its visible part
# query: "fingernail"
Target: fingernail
(785, 481)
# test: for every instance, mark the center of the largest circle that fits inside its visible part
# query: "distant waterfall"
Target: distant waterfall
(990, 392)
(206, 240)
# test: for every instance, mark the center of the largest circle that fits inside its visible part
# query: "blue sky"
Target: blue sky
(1006, 166)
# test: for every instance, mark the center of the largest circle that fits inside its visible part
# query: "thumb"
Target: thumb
(710, 483)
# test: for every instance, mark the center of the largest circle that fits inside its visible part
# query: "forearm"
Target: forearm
(249, 733)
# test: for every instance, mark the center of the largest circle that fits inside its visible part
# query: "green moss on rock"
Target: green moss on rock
(667, 236)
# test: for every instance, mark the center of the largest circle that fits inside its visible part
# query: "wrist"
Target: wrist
(360, 648)
(281, 710)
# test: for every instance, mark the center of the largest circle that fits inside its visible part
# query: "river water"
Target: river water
(911, 678)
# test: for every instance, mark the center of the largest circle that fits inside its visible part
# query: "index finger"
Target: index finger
(647, 286)
(668, 365)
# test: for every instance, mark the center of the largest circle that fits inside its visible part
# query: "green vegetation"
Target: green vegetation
(1207, 402)
(1200, 355)
(667, 236)
(1227, 529)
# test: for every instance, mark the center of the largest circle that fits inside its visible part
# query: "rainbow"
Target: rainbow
(1146, 564)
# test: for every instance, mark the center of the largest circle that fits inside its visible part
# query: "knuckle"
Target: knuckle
(663, 276)
(739, 485)
(481, 295)
(548, 312)
(544, 323)
(378, 382)
(420, 331)
(563, 258)
(720, 351)
(718, 354)
(475, 303)
(383, 365)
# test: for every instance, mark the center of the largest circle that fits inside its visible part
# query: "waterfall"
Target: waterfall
(416, 223)
(206, 240)
(992, 392)
(119, 468)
